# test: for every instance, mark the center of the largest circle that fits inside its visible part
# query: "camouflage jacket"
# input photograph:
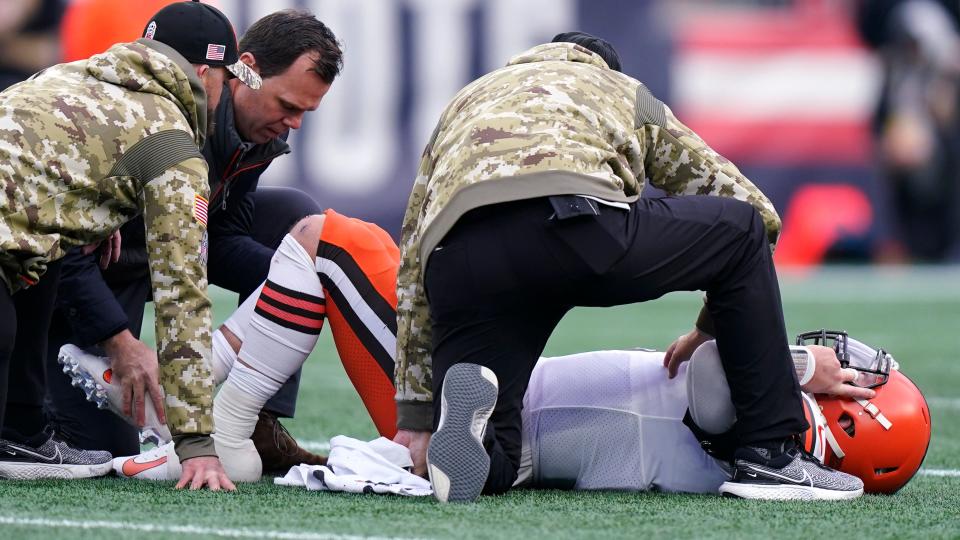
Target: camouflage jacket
(85, 147)
(556, 120)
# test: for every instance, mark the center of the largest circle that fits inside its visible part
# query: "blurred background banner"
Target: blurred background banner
(786, 89)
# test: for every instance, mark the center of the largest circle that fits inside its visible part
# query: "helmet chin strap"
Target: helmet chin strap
(875, 412)
(827, 433)
(832, 441)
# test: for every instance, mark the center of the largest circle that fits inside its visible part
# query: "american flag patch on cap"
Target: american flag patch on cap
(200, 209)
(216, 52)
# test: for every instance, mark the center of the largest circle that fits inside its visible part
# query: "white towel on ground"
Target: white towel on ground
(379, 466)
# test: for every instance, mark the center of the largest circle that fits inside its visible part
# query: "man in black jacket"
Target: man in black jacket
(298, 58)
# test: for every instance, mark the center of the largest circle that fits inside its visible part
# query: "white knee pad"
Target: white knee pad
(708, 393)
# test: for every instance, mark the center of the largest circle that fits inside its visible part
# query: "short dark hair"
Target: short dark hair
(278, 39)
(593, 44)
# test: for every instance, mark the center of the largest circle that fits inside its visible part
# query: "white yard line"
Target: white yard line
(938, 402)
(181, 529)
(940, 472)
(316, 446)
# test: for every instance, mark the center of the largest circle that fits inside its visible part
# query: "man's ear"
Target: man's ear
(201, 69)
(250, 60)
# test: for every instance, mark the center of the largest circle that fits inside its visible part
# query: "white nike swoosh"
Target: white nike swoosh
(805, 480)
(27, 452)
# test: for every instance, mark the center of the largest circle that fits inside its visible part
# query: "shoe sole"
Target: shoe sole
(39, 471)
(95, 393)
(784, 492)
(83, 379)
(457, 463)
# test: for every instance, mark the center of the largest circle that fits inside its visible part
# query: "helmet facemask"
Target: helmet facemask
(872, 365)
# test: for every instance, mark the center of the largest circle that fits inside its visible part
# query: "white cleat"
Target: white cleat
(92, 374)
(160, 463)
(240, 461)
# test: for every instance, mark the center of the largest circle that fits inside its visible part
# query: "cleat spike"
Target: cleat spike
(86, 372)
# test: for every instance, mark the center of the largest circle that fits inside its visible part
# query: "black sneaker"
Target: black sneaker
(43, 456)
(457, 462)
(788, 474)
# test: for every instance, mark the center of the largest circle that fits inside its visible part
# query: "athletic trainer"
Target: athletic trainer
(527, 204)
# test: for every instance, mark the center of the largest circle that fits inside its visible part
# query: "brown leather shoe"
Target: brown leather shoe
(277, 448)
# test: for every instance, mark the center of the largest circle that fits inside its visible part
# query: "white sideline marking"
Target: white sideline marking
(940, 472)
(182, 529)
(316, 446)
(944, 402)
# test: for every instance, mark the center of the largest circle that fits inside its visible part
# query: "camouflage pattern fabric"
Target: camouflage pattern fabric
(85, 147)
(556, 120)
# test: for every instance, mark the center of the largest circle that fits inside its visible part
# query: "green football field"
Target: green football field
(914, 314)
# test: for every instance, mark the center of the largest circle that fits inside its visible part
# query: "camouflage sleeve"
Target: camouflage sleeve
(413, 368)
(679, 162)
(175, 216)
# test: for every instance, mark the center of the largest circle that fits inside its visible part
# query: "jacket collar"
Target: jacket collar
(226, 140)
(196, 86)
(566, 52)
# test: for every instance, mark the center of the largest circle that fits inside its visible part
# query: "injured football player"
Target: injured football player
(595, 420)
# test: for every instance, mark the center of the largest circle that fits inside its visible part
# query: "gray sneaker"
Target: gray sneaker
(44, 456)
(792, 474)
(457, 462)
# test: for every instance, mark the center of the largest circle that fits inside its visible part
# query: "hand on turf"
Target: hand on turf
(682, 349)
(830, 378)
(137, 372)
(416, 442)
(204, 471)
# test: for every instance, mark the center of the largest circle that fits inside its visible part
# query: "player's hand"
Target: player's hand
(137, 371)
(416, 442)
(204, 471)
(682, 349)
(830, 378)
(109, 249)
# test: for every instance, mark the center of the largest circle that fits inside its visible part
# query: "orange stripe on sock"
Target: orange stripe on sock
(296, 319)
(293, 302)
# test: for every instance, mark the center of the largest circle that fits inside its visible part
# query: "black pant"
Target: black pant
(24, 322)
(239, 259)
(504, 276)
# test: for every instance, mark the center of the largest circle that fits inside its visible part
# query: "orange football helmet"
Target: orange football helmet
(881, 441)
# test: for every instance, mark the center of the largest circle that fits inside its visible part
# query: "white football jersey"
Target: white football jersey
(611, 420)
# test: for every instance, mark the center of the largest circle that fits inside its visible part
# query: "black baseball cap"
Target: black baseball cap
(594, 44)
(203, 35)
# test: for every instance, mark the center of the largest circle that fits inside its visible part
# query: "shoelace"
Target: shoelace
(59, 437)
(281, 438)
